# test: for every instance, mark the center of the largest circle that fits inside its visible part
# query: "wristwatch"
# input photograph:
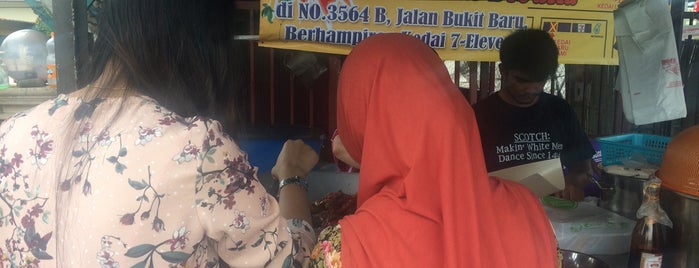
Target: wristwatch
(294, 180)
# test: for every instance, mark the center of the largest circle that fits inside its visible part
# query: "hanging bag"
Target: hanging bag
(649, 76)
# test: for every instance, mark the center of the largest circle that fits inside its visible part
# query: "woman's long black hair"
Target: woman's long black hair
(179, 52)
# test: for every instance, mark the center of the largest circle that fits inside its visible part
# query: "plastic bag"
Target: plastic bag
(649, 78)
(652, 208)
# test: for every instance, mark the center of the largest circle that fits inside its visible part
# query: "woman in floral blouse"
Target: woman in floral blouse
(130, 171)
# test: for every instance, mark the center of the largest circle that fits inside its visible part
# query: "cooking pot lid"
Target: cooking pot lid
(679, 169)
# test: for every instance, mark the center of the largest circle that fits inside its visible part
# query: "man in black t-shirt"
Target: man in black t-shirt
(521, 124)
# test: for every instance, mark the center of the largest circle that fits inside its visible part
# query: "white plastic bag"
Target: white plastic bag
(649, 76)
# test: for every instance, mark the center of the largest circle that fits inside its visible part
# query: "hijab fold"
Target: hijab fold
(424, 197)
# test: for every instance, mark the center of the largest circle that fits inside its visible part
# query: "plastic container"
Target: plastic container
(617, 149)
(679, 170)
(51, 63)
(591, 229)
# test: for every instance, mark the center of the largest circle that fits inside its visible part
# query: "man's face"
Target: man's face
(518, 89)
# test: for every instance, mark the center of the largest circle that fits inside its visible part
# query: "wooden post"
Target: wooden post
(71, 39)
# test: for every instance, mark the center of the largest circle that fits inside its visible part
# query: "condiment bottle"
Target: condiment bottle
(649, 234)
(51, 63)
(4, 78)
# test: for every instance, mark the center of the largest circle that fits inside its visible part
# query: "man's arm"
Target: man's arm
(577, 178)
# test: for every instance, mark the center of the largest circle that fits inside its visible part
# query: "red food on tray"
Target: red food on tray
(331, 208)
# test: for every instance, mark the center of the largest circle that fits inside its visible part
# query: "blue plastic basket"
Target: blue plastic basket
(616, 149)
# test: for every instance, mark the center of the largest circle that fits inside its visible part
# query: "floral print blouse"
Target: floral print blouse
(143, 188)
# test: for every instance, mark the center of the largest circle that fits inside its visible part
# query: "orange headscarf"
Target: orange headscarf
(424, 198)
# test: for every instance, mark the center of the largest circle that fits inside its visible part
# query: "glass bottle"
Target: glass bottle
(51, 63)
(4, 78)
(649, 234)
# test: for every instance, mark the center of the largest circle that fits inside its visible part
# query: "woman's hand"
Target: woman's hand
(295, 159)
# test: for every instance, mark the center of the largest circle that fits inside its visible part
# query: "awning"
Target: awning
(22, 14)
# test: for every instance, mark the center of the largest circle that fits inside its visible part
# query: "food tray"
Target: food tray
(616, 149)
(590, 229)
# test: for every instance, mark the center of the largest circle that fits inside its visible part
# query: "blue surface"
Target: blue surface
(263, 153)
(263, 142)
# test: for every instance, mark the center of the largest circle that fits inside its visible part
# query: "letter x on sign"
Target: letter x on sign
(554, 26)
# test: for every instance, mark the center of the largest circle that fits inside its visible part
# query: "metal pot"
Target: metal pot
(621, 194)
(682, 245)
(574, 259)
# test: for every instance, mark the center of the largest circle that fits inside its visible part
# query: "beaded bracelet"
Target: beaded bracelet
(303, 183)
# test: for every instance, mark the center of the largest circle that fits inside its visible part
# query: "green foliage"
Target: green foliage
(41, 26)
(267, 12)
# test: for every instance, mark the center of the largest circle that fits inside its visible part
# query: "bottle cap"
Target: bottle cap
(652, 190)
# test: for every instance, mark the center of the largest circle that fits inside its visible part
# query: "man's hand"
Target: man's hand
(571, 192)
(578, 176)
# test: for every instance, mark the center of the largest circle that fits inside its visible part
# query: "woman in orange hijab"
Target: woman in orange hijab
(424, 197)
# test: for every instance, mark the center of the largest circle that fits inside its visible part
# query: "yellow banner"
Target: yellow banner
(457, 30)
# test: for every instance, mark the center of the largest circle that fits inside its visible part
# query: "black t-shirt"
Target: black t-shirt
(514, 135)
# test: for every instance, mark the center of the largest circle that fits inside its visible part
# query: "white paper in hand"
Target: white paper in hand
(542, 177)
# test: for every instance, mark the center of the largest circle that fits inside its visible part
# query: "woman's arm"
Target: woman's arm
(295, 159)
